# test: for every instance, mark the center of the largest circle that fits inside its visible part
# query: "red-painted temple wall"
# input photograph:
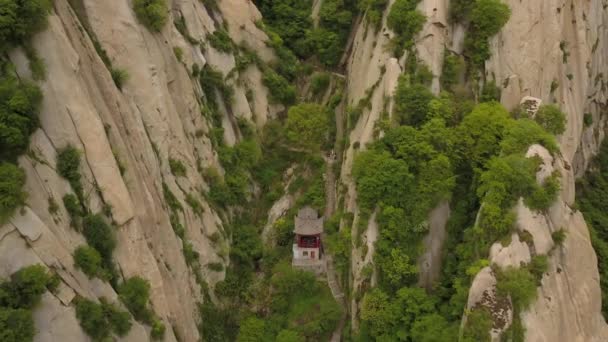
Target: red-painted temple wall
(308, 241)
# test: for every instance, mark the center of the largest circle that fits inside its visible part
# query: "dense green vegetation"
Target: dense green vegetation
(485, 18)
(21, 20)
(12, 196)
(89, 261)
(290, 21)
(307, 125)
(592, 194)
(151, 13)
(406, 21)
(18, 297)
(100, 320)
(68, 167)
(436, 149)
(134, 292)
(20, 99)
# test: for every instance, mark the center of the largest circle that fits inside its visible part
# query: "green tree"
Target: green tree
(26, 287)
(92, 319)
(519, 284)
(380, 178)
(12, 196)
(151, 13)
(433, 328)
(399, 269)
(280, 91)
(479, 134)
(405, 20)
(16, 325)
(412, 103)
(307, 125)
(478, 325)
(68, 167)
(551, 118)
(21, 19)
(100, 236)
(119, 320)
(252, 330)
(134, 292)
(525, 132)
(88, 260)
(289, 336)
(19, 107)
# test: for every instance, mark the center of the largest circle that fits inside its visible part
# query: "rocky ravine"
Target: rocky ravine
(156, 117)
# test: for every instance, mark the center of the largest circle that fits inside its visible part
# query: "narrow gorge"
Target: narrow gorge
(156, 156)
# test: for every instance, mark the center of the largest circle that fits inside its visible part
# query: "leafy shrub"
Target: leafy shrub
(307, 125)
(544, 196)
(524, 133)
(519, 284)
(221, 41)
(289, 336)
(588, 119)
(68, 167)
(19, 107)
(134, 292)
(490, 92)
(538, 266)
(72, 206)
(212, 80)
(406, 21)
(170, 199)
(88, 260)
(195, 204)
(411, 103)
(99, 320)
(92, 319)
(119, 76)
(177, 167)
(319, 83)
(452, 67)
(280, 91)
(25, 288)
(12, 196)
(487, 17)
(179, 53)
(374, 9)
(36, 64)
(16, 325)
(215, 266)
(290, 20)
(559, 236)
(478, 326)
(551, 118)
(21, 19)
(151, 13)
(158, 330)
(100, 236)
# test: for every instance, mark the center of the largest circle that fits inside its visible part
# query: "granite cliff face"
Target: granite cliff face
(157, 116)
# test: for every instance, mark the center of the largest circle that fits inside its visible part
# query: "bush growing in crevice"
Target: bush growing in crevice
(89, 261)
(68, 167)
(119, 76)
(177, 167)
(221, 41)
(406, 21)
(280, 91)
(151, 13)
(12, 196)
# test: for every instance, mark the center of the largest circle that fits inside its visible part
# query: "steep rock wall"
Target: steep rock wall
(155, 117)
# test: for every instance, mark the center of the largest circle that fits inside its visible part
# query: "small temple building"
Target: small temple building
(307, 247)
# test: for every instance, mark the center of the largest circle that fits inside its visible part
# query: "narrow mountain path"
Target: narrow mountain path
(332, 279)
